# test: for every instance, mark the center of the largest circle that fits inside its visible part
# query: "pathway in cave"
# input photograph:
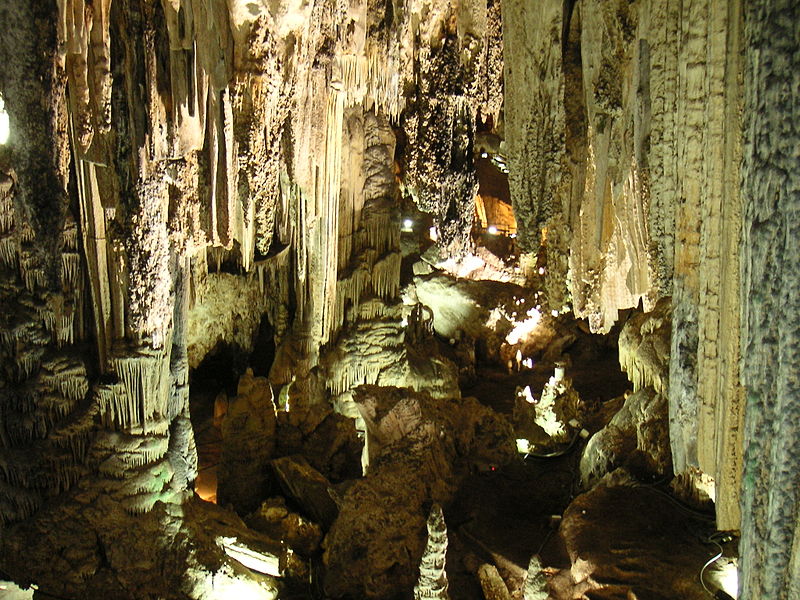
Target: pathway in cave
(213, 378)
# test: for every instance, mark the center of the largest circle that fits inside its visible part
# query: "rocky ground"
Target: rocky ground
(584, 516)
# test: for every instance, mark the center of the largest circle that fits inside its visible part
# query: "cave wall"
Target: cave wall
(153, 142)
(163, 154)
(628, 127)
(624, 137)
(770, 277)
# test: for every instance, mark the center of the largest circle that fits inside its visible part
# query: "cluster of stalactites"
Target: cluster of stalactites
(46, 434)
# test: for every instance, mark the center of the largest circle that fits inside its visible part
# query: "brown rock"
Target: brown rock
(308, 487)
(248, 443)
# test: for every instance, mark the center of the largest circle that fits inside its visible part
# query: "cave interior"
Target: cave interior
(366, 299)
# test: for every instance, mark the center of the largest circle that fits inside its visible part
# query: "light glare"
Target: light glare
(5, 125)
(252, 559)
(522, 329)
(726, 577)
(492, 230)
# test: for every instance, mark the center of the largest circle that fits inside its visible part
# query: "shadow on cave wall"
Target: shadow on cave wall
(211, 385)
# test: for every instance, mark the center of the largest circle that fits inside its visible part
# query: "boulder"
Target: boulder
(275, 520)
(419, 448)
(631, 542)
(637, 438)
(307, 487)
(493, 586)
(375, 545)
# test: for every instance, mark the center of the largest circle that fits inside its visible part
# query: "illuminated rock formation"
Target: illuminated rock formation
(179, 172)
(624, 159)
(419, 449)
(432, 582)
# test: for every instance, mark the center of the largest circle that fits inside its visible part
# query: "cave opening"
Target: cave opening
(212, 386)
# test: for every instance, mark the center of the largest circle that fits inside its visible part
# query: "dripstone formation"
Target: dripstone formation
(186, 178)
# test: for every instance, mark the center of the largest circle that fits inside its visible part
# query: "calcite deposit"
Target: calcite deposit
(319, 190)
(624, 158)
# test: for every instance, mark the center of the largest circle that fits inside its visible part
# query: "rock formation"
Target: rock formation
(770, 501)
(248, 444)
(180, 172)
(535, 583)
(637, 437)
(420, 449)
(432, 582)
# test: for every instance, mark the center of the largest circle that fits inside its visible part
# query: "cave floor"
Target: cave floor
(609, 544)
(208, 439)
(625, 542)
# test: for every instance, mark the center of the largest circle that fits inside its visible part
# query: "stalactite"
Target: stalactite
(6, 205)
(70, 268)
(97, 252)
(145, 378)
(32, 274)
(8, 251)
(130, 453)
(16, 502)
(371, 78)
(386, 276)
(440, 172)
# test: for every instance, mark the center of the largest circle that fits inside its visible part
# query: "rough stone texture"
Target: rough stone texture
(172, 552)
(377, 349)
(465, 428)
(534, 114)
(638, 435)
(623, 125)
(493, 586)
(308, 488)
(535, 586)
(419, 449)
(276, 521)
(770, 545)
(332, 447)
(153, 142)
(610, 559)
(637, 438)
(248, 444)
(228, 310)
(432, 582)
(644, 347)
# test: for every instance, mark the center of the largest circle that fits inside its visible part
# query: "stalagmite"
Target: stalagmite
(535, 587)
(432, 582)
